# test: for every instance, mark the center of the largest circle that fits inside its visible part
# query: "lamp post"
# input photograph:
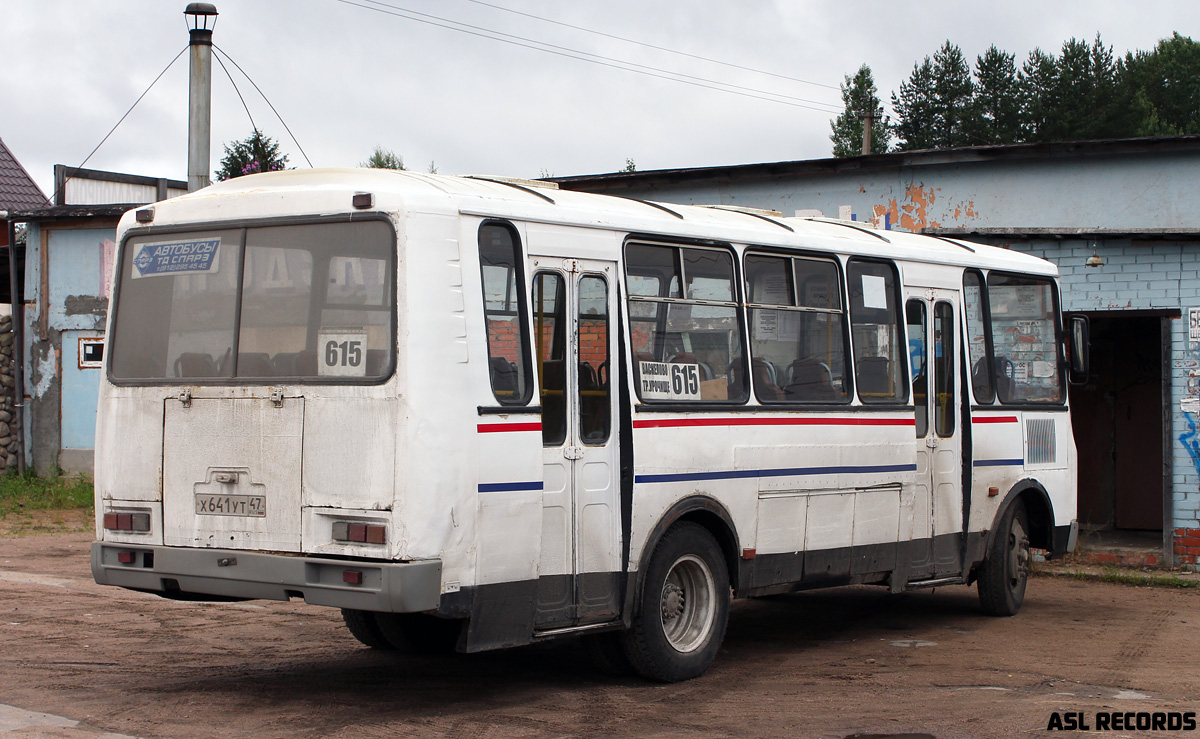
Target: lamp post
(202, 18)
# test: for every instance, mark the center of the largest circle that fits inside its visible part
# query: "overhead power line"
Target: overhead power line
(653, 46)
(265, 99)
(66, 179)
(400, 12)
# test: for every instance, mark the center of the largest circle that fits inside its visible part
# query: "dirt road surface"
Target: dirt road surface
(78, 660)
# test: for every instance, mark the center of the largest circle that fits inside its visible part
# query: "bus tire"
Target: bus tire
(1005, 571)
(363, 627)
(684, 610)
(419, 633)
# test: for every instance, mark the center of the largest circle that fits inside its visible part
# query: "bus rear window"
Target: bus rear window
(299, 301)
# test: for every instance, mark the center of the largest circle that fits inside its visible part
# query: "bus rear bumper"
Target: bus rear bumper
(224, 574)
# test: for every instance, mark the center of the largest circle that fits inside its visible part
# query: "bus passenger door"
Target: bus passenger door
(574, 343)
(934, 341)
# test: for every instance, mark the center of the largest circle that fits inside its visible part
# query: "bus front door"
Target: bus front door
(574, 351)
(938, 506)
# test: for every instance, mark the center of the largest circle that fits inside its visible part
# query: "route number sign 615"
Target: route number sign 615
(342, 352)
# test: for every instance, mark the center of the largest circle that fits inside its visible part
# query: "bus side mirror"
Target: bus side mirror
(1078, 342)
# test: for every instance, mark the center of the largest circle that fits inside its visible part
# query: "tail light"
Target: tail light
(362, 533)
(135, 522)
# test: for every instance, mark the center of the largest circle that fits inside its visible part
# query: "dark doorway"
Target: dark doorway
(1118, 421)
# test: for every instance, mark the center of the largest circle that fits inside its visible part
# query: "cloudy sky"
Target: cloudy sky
(347, 75)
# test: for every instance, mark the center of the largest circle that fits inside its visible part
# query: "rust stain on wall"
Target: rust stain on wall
(913, 213)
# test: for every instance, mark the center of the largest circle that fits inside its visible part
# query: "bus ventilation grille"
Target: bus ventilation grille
(1039, 441)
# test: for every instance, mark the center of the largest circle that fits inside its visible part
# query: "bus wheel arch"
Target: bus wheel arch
(1023, 521)
(1038, 508)
(708, 513)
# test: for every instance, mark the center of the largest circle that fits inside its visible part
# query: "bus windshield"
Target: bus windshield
(300, 301)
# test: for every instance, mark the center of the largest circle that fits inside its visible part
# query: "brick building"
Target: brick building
(1119, 219)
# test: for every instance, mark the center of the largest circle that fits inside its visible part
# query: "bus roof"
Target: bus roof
(327, 191)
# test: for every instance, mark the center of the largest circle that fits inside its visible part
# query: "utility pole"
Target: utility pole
(868, 118)
(202, 18)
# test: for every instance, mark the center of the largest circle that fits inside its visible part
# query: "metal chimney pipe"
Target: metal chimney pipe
(202, 18)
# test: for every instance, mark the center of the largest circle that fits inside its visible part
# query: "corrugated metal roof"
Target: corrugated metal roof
(17, 189)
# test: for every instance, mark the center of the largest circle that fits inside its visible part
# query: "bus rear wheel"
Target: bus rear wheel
(363, 627)
(1005, 572)
(685, 607)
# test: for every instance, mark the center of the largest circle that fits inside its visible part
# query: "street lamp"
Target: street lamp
(201, 18)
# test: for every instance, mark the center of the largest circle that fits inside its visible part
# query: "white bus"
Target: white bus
(476, 413)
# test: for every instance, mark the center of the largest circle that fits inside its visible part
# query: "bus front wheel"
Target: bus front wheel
(1005, 571)
(685, 607)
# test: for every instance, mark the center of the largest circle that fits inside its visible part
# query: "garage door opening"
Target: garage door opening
(1118, 421)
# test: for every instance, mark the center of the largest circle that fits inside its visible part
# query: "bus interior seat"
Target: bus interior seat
(764, 380)
(255, 364)
(808, 379)
(504, 375)
(588, 379)
(195, 364)
(306, 363)
(285, 364)
(874, 376)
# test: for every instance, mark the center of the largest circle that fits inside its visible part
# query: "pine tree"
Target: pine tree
(1038, 80)
(997, 111)
(954, 96)
(860, 96)
(936, 102)
(382, 158)
(914, 107)
(256, 153)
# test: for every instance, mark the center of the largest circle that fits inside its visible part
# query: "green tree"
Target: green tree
(996, 115)
(1074, 96)
(860, 96)
(630, 165)
(1161, 88)
(935, 102)
(382, 158)
(256, 153)
(914, 107)
(1038, 80)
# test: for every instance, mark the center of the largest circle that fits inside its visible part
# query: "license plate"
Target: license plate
(231, 505)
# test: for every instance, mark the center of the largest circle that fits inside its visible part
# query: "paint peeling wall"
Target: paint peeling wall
(1111, 192)
(66, 281)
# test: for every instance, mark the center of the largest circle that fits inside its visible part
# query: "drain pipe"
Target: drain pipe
(18, 329)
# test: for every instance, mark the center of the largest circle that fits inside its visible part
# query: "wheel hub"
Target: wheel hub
(673, 601)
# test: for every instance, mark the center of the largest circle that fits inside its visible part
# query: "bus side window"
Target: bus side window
(504, 313)
(920, 364)
(684, 324)
(797, 329)
(880, 359)
(976, 338)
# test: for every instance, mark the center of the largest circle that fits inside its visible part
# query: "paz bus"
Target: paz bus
(475, 413)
